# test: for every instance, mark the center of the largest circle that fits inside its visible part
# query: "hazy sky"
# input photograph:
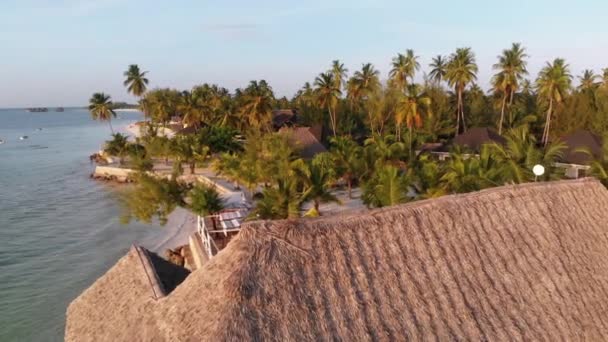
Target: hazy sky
(58, 52)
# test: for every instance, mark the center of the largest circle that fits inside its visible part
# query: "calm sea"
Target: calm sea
(59, 230)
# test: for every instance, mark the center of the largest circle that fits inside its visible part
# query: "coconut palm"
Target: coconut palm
(389, 186)
(100, 107)
(327, 96)
(410, 110)
(190, 109)
(339, 72)
(552, 84)
(135, 80)
(511, 69)
(258, 99)
(521, 153)
(438, 69)
(404, 67)
(363, 85)
(346, 155)
(279, 202)
(461, 71)
(588, 81)
(118, 146)
(316, 181)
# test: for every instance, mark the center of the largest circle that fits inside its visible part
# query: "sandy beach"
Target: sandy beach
(181, 224)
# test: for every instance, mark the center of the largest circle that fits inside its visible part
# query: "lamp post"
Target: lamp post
(538, 170)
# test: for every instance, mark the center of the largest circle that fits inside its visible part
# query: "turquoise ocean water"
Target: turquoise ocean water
(59, 230)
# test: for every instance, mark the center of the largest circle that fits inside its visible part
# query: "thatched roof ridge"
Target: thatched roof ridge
(522, 262)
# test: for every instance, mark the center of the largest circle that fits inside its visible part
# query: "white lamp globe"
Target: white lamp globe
(538, 170)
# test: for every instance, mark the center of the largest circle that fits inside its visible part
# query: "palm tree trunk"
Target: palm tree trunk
(464, 125)
(331, 120)
(411, 129)
(192, 167)
(545, 139)
(110, 123)
(317, 206)
(502, 114)
(458, 113)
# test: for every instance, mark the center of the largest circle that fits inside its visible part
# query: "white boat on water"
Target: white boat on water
(23, 137)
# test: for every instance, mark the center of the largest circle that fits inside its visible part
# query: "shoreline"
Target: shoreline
(180, 225)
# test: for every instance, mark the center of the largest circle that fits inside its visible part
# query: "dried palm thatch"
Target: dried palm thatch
(520, 262)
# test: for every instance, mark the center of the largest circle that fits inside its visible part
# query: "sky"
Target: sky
(59, 52)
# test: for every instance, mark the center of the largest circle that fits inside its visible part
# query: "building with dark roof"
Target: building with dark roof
(305, 139)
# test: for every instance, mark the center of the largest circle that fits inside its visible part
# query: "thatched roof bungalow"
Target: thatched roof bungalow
(523, 262)
(574, 160)
(305, 139)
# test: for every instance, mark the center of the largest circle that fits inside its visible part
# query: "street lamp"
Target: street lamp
(538, 170)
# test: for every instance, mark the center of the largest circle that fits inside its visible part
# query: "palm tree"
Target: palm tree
(552, 85)
(100, 107)
(461, 70)
(346, 155)
(389, 186)
(339, 73)
(588, 81)
(280, 202)
(190, 109)
(438, 69)
(117, 146)
(257, 104)
(518, 155)
(404, 67)
(316, 181)
(511, 69)
(327, 96)
(135, 80)
(363, 85)
(410, 110)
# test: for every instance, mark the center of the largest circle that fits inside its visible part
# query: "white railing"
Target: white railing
(208, 242)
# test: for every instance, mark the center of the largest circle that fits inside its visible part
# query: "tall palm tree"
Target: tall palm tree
(257, 104)
(461, 71)
(552, 84)
(363, 85)
(404, 67)
(205, 200)
(190, 109)
(339, 72)
(100, 107)
(511, 69)
(588, 81)
(346, 155)
(438, 69)
(605, 77)
(327, 96)
(410, 110)
(135, 80)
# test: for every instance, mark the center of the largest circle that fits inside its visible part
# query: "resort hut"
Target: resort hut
(305, 139)
(574, 159)
(472, 140)
(520, 262)
(284, 118)
(129, 289)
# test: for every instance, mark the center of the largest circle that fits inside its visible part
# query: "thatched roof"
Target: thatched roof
(305, 140)
(476, 137)
(520, 262)
(128, 289)
(284, 117)
(581, 140)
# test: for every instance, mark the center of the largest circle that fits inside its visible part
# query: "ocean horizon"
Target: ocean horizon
(59, 229)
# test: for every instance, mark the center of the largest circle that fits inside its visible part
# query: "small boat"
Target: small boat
(59, 109)
(38, 129)
(1, 141)
(23, 137)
